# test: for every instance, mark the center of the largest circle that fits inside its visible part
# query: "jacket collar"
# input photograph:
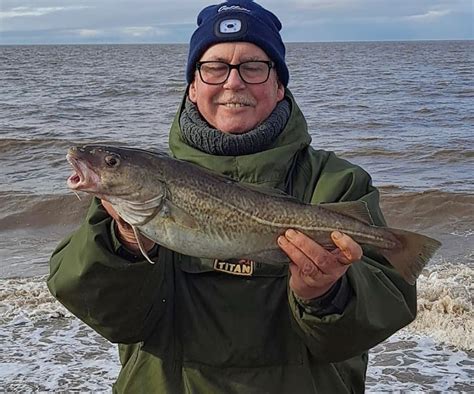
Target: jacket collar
(268, 168)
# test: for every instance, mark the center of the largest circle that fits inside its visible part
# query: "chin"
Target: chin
(236, 128)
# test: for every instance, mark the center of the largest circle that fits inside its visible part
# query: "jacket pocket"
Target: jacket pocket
(234, 321)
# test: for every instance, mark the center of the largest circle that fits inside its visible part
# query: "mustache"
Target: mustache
(235, 98)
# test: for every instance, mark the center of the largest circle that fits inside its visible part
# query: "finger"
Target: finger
(341, 258)
(301, 283)
(322, 258)
(305, 265)
(297, 282)
(307, 287)
(349, 250)
(305, 244)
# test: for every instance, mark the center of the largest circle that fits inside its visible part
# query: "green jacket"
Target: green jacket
(183, 327)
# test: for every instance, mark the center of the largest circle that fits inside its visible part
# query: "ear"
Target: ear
(280, 91)
(192, 93)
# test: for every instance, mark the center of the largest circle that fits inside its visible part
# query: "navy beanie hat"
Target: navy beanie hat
(238, 20)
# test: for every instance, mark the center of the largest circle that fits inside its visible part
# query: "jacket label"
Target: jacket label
(242, 267)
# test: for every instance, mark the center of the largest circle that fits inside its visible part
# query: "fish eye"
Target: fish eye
(112, 160)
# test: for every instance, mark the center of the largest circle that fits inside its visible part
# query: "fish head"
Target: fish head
(112, 173)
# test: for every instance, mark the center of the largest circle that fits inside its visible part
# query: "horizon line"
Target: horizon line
(285, 42)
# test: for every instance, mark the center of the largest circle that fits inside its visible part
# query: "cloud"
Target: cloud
(136, 21)
(428, 16)
(89, 33)
(120, 34)
(322, 4)
(144, 31)
(18, 12)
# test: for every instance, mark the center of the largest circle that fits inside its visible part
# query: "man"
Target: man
(194, 325)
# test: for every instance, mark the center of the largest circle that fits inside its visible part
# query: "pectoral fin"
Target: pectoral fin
(178, 215)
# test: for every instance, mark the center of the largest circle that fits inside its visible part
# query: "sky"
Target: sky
(173, 21)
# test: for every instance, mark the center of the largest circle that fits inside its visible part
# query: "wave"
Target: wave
(41, 338)
(30, 211)
(450, 155)
(114, 92)
(10, 145)
(28, 299)
(411, 210)
(14, 143)
(415, 151)
(425, 110)
(43, 145)
(445, 306)
(370, 152)
(422, 210)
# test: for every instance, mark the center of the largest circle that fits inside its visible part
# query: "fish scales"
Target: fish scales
(199, 213)
(242, 210)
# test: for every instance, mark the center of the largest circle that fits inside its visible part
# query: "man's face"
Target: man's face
(234, 106)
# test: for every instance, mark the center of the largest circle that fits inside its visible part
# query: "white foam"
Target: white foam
(40, 338)
(63, 355)
(463, 234)
(28, 298)
(445, 306)
(414, 363)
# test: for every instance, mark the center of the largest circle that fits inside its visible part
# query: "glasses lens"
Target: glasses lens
(254, 72)
(214, 72)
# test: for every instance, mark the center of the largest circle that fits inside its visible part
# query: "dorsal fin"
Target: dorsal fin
(355, 209)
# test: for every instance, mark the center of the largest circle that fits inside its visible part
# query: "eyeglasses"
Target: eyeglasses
(216, 73)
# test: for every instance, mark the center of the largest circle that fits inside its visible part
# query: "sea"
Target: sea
(404, 111)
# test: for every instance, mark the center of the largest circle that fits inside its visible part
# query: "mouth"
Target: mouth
(235, 105)
(235, 101)
(80, 179)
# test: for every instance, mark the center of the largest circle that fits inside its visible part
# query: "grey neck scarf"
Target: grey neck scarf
(199, 134)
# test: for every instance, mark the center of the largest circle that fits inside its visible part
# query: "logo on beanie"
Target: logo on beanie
(232, 8)
(230, 26)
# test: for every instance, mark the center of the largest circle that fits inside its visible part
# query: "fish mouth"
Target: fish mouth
(82, 177)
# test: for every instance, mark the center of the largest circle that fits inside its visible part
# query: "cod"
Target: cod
(198, 213)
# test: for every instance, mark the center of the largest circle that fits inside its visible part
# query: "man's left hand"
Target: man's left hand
(314, 270)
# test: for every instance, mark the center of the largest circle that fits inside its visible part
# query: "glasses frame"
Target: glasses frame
(230, 67)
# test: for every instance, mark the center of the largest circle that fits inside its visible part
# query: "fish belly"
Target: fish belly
(214, 244)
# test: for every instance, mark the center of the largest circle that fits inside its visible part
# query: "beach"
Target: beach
(401, 110)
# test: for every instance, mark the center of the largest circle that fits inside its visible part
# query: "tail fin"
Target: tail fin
(413, 255)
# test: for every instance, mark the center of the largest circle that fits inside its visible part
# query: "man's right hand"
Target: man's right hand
(124, 231)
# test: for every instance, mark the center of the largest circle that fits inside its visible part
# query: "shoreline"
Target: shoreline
(46, 340)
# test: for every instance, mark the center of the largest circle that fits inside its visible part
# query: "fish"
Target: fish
(196, 212)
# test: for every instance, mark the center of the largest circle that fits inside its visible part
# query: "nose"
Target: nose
(234, 81)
